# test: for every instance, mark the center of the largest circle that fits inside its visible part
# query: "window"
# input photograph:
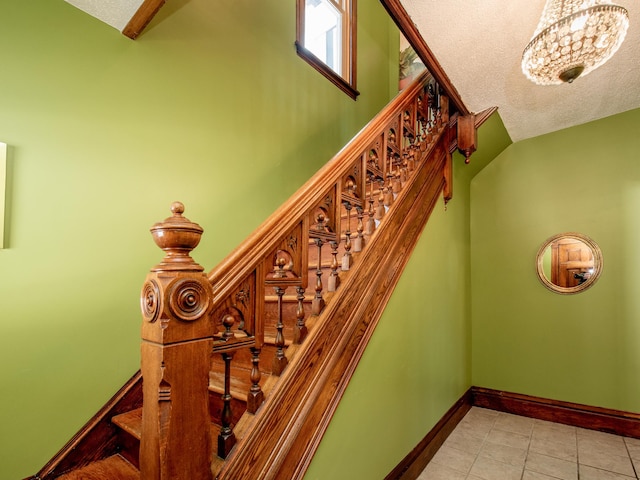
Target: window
(326, 39)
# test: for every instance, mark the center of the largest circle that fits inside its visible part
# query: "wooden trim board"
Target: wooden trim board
(96, 440)
(594, 418)
(416, 461)
(584, 416)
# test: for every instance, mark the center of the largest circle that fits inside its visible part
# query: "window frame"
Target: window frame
(347, 81)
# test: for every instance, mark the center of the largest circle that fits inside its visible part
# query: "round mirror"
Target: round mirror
(569, 263)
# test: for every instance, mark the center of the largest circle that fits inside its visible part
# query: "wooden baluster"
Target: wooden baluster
(347, 259)
(317, 304)
(411, 162)
(431, 116)
(279, 360)
(371, 222)
(380, 209)
(424, 140)
(300, 332)
(439, 123)
(358, 243)
(432, 110)
(226, 438)
(404, 172)
(396, 185)
(256, 395)
(430, 131)
(388, 192)
(177, 340)
(334, 278)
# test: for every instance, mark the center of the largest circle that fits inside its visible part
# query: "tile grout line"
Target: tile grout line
(633, 465)
(577, 454)
(524, 466)
(484, 441)
(500, 422)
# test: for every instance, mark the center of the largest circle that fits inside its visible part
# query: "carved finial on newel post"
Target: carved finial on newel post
(176, 347)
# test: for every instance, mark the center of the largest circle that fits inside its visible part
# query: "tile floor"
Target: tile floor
(489, 445)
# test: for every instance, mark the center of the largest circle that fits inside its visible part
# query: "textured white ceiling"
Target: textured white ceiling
(479, 44)
(116, 13)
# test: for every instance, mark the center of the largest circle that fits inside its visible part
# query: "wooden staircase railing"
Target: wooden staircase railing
(243, 367)
(388, 177)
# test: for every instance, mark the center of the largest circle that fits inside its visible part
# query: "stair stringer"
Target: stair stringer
(287, 429)
(96, 440)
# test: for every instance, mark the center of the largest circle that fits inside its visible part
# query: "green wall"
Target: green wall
(210, 106)
(418, 362)
(582, 348)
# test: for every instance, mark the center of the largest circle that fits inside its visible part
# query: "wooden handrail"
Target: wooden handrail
(247, 255)
(411, 33)
(404, 150)
(290, 426)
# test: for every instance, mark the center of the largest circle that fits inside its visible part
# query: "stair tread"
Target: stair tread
(107, 469)
(130, 422)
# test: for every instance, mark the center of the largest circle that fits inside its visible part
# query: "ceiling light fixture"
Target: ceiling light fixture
(573, 38)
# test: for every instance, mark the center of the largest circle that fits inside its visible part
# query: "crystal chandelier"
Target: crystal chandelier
(573, 38)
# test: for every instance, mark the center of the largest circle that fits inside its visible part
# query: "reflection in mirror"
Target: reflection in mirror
(569, 263)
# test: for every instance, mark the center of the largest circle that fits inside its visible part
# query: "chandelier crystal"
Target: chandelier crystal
(573, 38)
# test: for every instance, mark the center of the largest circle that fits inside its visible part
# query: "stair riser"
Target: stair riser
(129, 448)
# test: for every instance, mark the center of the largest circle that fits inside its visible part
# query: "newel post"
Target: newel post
(176, 300)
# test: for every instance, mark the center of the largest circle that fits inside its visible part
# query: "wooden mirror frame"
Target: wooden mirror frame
(597, 263)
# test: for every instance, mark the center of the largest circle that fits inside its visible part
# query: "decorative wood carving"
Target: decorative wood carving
(467, 135)
(328, 357)
(325, 217)
(447, 192)
(176, 300)
(243, 308)
(481, 117)
(375, 161)
(287, 264)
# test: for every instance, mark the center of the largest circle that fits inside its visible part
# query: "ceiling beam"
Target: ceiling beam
(411, 33)
(142, 17)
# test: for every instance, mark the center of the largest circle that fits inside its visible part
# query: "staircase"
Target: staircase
(245, 366)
